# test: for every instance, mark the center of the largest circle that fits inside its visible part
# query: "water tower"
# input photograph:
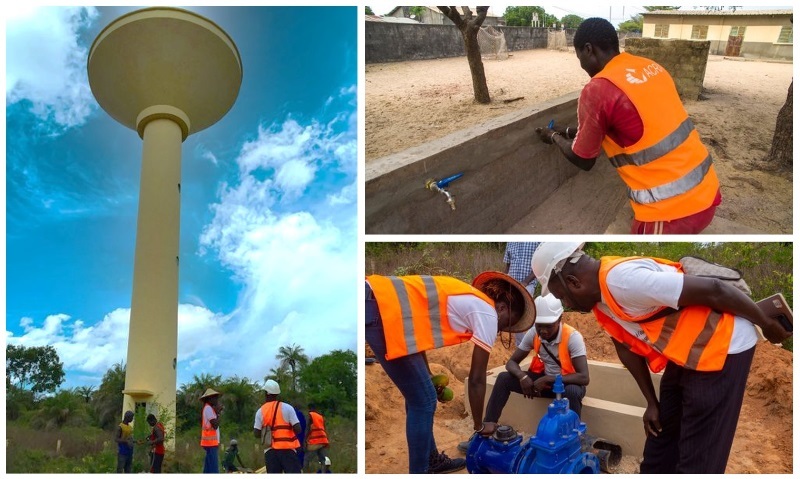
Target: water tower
(166, 73)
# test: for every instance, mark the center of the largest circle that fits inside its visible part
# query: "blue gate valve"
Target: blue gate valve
(555, 449)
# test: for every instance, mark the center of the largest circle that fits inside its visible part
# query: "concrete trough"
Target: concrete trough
(508, 173)
(612, 409)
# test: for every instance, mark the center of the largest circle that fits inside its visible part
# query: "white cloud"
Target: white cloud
(295, 256)
(46, 65)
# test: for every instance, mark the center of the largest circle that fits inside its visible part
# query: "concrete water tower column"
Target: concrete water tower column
(166, 73)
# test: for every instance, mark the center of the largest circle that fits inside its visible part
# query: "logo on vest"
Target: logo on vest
(635, 78)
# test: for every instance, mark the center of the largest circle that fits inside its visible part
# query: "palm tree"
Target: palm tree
(280, 374)
(294, 357)
(85, 392)
(240, 399)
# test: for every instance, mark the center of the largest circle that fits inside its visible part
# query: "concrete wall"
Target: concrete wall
(507, 173)
(685, 60)
(392, 42)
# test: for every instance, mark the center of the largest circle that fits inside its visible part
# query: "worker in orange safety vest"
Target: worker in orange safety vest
(409, 315)
(209, 430)
(631, 109)
(698, 330)
(317, 438)
(277, 425)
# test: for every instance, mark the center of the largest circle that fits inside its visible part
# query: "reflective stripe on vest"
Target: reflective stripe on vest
(413, 310)
(537, 365)
(208, 435)
(669, 172)
(317, 434)
(655, 360)
(283, 436)
(695, 337)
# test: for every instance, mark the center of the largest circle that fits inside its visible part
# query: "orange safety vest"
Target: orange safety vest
(669, 172)
(694, 337)
(283, 436)
(414, 312)
(317, 434)
(537, 365)
(208, 435)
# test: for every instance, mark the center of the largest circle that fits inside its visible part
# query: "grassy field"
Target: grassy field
(92, 450)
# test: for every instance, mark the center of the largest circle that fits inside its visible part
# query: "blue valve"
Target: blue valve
(551, 124)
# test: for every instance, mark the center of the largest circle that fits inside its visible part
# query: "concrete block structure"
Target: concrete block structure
(612, 409)
(685, 60)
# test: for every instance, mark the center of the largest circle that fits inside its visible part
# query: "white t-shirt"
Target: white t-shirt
(208, 415)
(469, 313)
(576, 345)
(641, 286)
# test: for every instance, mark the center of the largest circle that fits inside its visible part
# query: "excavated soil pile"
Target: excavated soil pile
(763, 442)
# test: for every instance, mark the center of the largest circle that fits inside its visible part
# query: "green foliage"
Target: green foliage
(65, 408)
(571, 21)
(35, 368)
(633, 25)
(331, 383)
(240, 398)
(417, 12)
(368, 11)
(522, 16)
(460, 260)
(18, 401)
(107, 400)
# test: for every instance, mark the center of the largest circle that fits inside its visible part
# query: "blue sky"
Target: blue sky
(269, 240)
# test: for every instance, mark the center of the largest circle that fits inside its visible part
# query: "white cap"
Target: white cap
(271, 387)
(548, 255)
(327, 461)
(548, 309)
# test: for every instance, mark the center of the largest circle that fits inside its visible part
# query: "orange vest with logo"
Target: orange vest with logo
(669, 172)
(414, 312)
(694, 337)
(317, 434)
(537, 366)
(283, 436)
(208, 435)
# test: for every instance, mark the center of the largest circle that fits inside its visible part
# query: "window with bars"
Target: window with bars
(737, 31)
(699, 32)
(785, 35)
(662, 31)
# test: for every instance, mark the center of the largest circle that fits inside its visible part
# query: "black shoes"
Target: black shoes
(441, 464)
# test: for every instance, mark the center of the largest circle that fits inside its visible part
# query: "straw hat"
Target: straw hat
(210, 392)
(528, 315)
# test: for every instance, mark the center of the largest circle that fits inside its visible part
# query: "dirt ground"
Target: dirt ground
(763, 442)
(410, 103)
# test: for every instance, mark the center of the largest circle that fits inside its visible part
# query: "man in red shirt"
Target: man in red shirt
(156, 442)
(631, 109)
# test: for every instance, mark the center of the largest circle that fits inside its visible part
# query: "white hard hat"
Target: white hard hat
(272, 387)
(547, 256)
(548, 309)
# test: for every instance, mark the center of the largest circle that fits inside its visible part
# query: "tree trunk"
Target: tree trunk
(781, 152)
(469, 27)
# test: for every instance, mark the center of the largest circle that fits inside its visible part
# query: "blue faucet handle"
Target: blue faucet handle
(446, 181)
(551, 124)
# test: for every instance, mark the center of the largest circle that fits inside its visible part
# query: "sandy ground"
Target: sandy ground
(410, 103)
(763, 442)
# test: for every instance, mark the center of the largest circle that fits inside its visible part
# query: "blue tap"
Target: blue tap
(446, 181)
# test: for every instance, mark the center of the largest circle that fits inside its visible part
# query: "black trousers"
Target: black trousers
(506, 384)
(698, 412)
(282, 460)
(158, 459)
